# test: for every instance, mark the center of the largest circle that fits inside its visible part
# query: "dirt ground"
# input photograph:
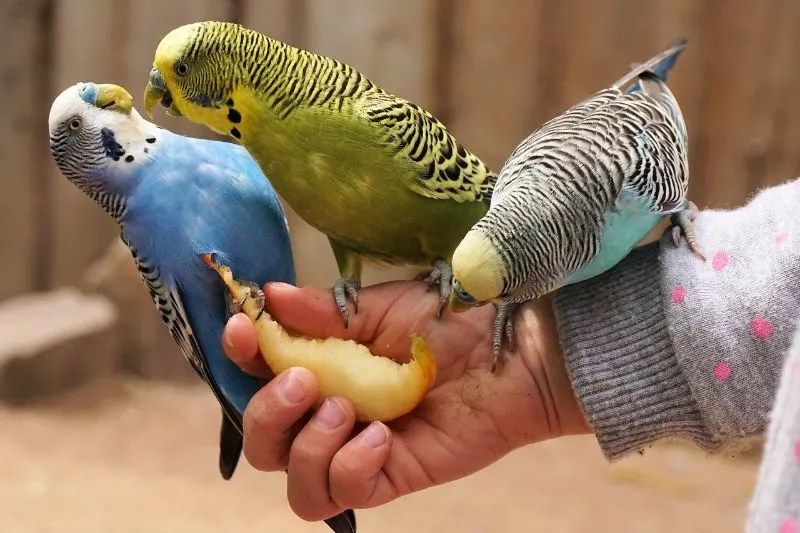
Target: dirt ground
(141, 457)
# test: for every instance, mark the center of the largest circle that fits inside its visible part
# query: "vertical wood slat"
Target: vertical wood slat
(733, 58)
(86, 47)
(493, 85)
(389, 42)
(774, 100)
(280, 19)
(22, 144)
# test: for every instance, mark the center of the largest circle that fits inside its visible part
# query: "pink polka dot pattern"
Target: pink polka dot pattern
(782, 237)
(797, 450)
(761, 327)
(722, 371)
(678, 295)
(719, 261)
(789, 525)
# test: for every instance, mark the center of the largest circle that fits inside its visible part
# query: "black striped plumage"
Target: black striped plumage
(287, 78)
(557, 188)
(77, 155)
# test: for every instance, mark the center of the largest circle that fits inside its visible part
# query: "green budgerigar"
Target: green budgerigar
(578, 194)
(380, 176)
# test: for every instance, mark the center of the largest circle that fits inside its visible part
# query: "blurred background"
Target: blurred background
(105, 428)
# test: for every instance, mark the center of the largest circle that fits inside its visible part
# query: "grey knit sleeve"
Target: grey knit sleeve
(666, 345)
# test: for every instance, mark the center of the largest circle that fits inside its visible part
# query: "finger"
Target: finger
(311, 456)
(241, 346)
(356, 476)
(312, 311)
(271, 416)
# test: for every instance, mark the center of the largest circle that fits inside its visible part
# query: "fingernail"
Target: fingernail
(375, 435)
(292, 388)
(228, 340)
(330, 415)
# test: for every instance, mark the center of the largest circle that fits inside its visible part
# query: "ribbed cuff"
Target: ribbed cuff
(620, 358)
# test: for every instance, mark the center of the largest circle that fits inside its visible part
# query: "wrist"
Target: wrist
(554, 409)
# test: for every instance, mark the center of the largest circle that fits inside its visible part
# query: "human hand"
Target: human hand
(469, 419)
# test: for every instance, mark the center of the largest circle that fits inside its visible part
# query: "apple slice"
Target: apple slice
(379, 388)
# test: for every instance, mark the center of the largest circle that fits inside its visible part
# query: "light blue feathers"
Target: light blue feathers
(176, 198)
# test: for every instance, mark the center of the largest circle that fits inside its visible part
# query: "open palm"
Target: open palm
(470, 418)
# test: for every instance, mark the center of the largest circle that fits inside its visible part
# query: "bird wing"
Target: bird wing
(169, 304)
(446, 170)
(635, 141)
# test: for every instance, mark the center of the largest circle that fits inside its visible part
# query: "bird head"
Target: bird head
(195, 72)
(97, 137)
(478, 273)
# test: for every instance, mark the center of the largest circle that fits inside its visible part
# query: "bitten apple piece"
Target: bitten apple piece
(379, 388)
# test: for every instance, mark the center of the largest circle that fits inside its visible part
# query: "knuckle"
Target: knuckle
(306, 510)
(265, 447)
(347, 482)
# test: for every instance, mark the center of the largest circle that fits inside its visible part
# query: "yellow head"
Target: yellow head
(195, 73)
(478, 273)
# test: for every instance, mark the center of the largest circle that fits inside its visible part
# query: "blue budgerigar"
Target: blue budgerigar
(176, 198)
(578, 194)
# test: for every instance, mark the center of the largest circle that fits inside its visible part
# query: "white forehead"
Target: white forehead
(67, 104)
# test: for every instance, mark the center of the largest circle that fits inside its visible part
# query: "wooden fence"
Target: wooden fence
(493, 71)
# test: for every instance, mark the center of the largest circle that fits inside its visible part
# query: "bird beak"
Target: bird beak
(107, 96)
(156, 92)
(457, 305)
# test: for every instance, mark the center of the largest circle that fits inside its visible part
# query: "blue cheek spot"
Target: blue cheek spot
(88, 93)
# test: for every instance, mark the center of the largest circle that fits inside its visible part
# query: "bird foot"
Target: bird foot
(683, 226)
(503, 330)
(254, 291)
(441, 274)
(344, 289)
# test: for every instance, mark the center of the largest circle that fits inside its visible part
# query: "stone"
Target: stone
(148, 350)
(55, 341)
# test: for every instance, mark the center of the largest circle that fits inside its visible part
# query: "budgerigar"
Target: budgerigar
(176, 198)
(578, 194)
(380, 176)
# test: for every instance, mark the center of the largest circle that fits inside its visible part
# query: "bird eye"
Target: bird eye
(75, 124)
(182, 69)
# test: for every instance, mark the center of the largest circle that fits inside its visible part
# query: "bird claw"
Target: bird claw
(503, 330)
(254, 291)
(344, 289)
(441, 274)
(682, 226)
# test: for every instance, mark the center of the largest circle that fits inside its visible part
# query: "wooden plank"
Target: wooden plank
(776, 127)
(391, 43)
(148, 21)
(734, 57)
(493, 83)
(21, 145)
(279, 19)
(80, 230)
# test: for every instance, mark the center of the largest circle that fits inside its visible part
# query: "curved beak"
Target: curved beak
(156, 92)
(107, 96)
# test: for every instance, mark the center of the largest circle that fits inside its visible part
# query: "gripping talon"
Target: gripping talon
(440, 274)
(503, 329)
(344, 289)
(682, 226)
(235, 306)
